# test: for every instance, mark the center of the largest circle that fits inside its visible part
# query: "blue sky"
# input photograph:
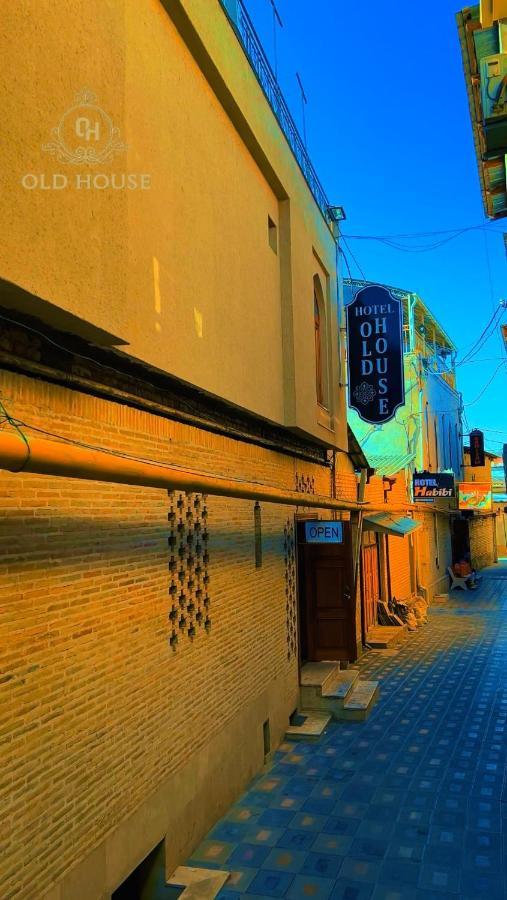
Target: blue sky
(390, 137)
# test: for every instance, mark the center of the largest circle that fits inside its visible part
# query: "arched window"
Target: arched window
(319, 318)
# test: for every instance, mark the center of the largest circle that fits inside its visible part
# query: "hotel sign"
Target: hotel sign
(375, 354)
(474, 496)
(428, 486)
(324, 532)
(477, 448)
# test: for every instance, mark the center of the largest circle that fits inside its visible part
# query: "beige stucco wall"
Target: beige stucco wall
(182, 272)
(434, 551)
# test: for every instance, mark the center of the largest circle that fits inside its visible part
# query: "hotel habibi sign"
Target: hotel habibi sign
(429, 486)
(375, 354)
(323, 532)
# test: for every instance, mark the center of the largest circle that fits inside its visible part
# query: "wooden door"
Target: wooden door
(329, 612)
(370, 580)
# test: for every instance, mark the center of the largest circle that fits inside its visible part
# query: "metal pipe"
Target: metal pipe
(43, 457)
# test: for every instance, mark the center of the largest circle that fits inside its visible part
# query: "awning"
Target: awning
(390, 465)
(387, 524)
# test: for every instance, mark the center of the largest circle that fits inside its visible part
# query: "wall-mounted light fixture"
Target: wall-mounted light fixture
(336, 213)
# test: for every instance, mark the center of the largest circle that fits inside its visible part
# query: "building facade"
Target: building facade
(483, 36)
(475, 530)
(500, 504)
(168, 316)
(424, 436)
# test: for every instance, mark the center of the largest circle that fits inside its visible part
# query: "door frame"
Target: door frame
(362, 573)
(303, 601)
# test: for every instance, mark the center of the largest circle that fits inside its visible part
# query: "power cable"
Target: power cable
(415, 234)
(7, 419)
(486, 386)
(483, 337)
(355, 260)
(392, 241)
(342, 251)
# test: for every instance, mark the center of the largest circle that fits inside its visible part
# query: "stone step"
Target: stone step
(310, 725)
(383, 637)
(315, 674)
(360, 701)
(199, 884)
(339, 683)
(324, 686)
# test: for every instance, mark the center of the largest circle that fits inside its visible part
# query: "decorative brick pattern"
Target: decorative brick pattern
(188, 566)
(289, 550)
(305, 484)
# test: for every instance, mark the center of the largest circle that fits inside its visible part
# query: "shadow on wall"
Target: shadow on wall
(28, 542)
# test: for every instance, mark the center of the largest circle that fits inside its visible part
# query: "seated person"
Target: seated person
(463, 569)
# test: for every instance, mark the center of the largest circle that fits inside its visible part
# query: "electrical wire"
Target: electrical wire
(393, 241)
(342, 251)
(354, 259)
(483, 337)
(416, 234)
(486, 386)
(7, 419)
(41, 334)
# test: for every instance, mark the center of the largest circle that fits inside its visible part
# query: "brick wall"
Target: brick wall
(97, 709)
(482, 541)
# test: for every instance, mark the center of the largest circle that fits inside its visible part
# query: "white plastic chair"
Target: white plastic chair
(457, 581)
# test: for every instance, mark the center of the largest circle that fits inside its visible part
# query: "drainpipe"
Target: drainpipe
(359, 540)
(44, 457)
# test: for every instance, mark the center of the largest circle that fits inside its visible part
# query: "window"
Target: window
(435, 428)
(319, 317)
(272, 235)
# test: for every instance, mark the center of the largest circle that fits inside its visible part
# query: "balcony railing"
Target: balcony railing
(249, 40)
(433, 361)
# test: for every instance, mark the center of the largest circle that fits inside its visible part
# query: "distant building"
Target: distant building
(483, 36)
(476, 530)
(499, 488)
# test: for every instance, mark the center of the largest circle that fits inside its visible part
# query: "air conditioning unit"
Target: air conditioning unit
(494, 86)
(492, 11)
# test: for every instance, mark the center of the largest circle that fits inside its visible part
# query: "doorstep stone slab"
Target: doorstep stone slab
(361, 695)
(199, 884)
(385, 636)
(313, 726)
(314, 674)
(339, 683)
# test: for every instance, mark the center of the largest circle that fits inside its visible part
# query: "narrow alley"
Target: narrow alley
(409, 804)
(253, 450)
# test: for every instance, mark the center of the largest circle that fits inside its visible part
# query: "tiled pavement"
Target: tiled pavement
(411, 803)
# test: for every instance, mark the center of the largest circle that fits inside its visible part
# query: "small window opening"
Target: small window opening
(258, 535)
(272, 235)
(147, 880)
(266, 737)
(319, 318)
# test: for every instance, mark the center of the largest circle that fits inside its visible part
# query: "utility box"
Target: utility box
(494, 87)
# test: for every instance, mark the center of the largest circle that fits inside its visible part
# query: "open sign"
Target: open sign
(320, 532)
